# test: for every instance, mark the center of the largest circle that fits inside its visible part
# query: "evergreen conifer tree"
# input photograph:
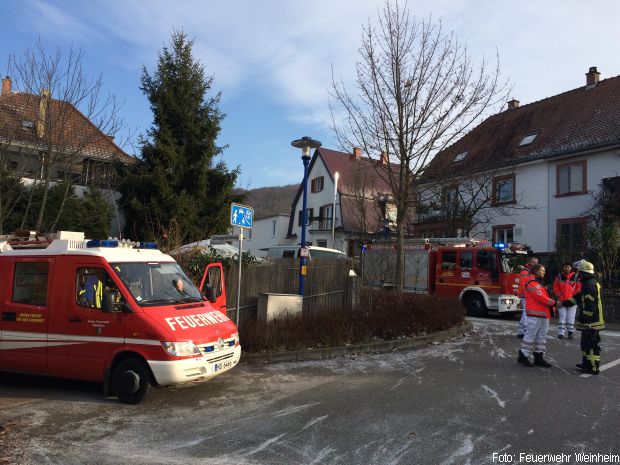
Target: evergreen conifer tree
(179, 192)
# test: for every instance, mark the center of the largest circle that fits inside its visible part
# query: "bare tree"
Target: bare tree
(468, 203)
(418, 90)
(54, 93)
(361, 200)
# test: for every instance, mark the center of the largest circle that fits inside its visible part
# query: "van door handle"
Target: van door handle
(9, 316)
(75, 319)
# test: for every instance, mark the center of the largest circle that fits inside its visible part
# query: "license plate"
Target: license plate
(222, 365)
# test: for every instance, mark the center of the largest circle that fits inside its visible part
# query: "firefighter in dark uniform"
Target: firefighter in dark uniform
(589, 318)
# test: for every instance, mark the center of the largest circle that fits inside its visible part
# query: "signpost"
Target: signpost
(243, 217)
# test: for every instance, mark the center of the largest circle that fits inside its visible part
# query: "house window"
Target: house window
(504, 190)
(527, 140)
(571, 234)
(503, 233)
(325, 216)
(460, 156)
(450, 196)
(27, 124)
(571, 178)
(274, 223)
(321, 242)
(309, 212)
(317, 184)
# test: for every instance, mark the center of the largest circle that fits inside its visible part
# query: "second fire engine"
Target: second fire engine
(481, 275)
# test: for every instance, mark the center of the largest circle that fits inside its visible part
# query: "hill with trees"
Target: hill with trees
(268, 201)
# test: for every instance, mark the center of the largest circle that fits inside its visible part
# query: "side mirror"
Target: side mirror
(107, 304)
(210, 294)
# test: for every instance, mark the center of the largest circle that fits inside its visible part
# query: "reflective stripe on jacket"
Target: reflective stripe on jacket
(524, 277)
(564, 286)
(588, 300)
(537, 300)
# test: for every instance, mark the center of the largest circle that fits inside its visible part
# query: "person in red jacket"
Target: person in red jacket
(538, 309)
(566, 286)
(524, 276)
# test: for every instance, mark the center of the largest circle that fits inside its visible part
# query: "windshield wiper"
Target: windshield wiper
(190, 299)
(158, 301)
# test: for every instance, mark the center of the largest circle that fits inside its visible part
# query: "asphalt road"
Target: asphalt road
(452, 403)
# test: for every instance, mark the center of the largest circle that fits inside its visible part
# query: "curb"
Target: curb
(372, 347)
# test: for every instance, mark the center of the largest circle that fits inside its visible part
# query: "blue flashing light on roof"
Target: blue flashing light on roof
(148, 245)
(499, 245)
(102, 243)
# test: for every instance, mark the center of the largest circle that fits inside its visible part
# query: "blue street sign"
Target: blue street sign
(241, 216)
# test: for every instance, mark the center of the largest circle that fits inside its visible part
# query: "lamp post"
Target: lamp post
(305, 144)
(334, 210)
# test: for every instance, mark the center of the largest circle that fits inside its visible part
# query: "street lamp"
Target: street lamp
(305, 144)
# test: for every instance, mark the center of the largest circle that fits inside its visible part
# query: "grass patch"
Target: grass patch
(382, 315)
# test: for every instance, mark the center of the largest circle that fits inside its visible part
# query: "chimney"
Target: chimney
(385, 159)
(357, 152)
(6, 85)
(43, 107)
(512, 104)
(592, 77)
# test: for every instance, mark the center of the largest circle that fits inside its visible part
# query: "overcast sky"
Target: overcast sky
(272, 59)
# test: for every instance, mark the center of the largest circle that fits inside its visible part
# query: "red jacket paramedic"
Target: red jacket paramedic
(565, 286)
(538, 301)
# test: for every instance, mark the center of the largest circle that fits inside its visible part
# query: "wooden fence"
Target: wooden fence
(325, 285)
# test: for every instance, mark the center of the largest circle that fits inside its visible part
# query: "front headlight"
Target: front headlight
(235, 336)
(181, 349)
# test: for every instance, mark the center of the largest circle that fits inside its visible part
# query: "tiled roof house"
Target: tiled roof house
(363, 201)
(555, 152)
(31, 124)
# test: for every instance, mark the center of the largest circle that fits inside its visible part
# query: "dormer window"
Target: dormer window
(527, 140)
(27, 124)
(460, 156)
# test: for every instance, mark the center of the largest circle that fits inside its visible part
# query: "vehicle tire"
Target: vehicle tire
(131, 381)
(475, 305)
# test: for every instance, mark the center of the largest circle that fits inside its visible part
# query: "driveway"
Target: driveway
(458, 402)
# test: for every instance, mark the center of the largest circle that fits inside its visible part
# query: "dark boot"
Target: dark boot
(583, 364)
(523, 360)
(570, 334)
(539, 361)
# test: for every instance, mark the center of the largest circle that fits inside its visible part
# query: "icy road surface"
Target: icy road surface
(452, 403)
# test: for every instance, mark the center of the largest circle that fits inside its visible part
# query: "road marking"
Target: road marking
(603, 367)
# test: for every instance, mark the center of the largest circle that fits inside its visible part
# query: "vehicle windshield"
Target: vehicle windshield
(157, 283)
(511, 262)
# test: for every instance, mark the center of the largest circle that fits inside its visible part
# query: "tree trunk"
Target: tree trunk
(46, 188)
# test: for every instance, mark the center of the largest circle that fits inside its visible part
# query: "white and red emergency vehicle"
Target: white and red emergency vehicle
(481, 275)
(117, 312)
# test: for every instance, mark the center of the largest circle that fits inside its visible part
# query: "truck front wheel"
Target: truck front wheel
(475, 305)
(131, 381)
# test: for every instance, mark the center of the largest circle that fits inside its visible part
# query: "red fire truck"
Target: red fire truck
(118, 312)
(481, 275)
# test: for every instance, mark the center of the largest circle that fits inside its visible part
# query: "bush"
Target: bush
(382, 315)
